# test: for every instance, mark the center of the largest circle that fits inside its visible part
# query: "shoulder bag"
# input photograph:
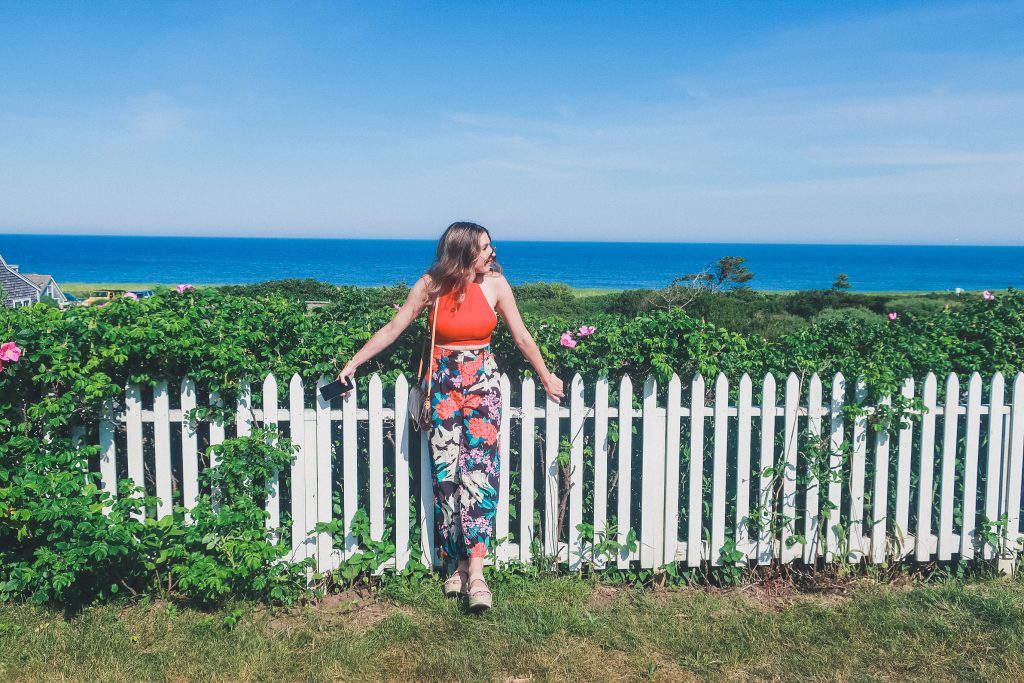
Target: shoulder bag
(419, 396)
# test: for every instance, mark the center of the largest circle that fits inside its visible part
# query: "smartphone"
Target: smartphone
(335, 389)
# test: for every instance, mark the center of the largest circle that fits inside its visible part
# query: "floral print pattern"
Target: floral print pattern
(466, 401)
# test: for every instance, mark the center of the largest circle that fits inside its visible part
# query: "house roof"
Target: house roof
(17, 274)
(40, 280)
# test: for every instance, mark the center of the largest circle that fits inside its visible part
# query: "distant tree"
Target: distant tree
(724, 273)
(842, 282)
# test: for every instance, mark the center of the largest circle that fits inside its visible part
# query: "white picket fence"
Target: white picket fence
(875, 532)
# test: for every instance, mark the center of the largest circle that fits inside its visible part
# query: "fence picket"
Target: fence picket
(947, 491)
(162, 449)
(350, 468)
(528, 451)
(270, 421)
(789, 550)
(551, 474)
(766, 499)
(812, 516)
(189, 449)
(133, 419)
(744, 417)
(401, 473)
(970, 490)
(323, 501)
(108, 451)
(995, 472)
(428, 551)
(720, 466)
(922, 540)
(879, 497)
(297, 433)
(652, 482)
(376, 433)
(902, 524)
(695, 520)
(577, 414)
(835, 485)
(625, 468)
(673, 411)
(600, 465)
(502, 545)
(858, 463)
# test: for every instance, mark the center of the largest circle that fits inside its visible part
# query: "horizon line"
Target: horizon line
(522, 241)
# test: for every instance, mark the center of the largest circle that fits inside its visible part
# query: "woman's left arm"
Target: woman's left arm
(506, 306)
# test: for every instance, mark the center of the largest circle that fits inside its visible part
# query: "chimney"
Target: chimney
(13, 266)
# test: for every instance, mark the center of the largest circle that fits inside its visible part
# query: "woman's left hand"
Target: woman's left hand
(553, 387)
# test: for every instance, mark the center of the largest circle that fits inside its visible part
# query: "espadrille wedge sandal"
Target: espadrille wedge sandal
(479, 598)
(456, 584)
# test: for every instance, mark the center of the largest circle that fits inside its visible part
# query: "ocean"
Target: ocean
(610, 265)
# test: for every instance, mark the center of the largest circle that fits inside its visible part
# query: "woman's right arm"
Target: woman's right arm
(386, 336)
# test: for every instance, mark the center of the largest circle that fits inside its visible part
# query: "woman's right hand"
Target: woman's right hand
(348, 373)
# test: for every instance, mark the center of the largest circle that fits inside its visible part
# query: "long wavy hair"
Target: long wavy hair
(456, 251)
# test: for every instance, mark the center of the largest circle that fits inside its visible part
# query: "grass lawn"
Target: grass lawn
(558, 629)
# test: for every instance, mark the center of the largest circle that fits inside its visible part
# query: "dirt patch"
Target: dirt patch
(778, 596)
(351, 609)
(602, 596)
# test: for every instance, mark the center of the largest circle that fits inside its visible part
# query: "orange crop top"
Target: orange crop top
(466, 324)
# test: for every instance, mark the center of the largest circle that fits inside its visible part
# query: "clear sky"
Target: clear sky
(877, 122)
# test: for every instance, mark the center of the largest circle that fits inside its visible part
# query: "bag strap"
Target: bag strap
(419, 372)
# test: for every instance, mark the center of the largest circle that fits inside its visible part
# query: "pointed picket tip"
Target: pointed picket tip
(768, 384)
(402, 384)
(296, 381)
(721, 381)
(269, 382)
(675, 382)
(188, 386)
(505, 385)
(577, 379)
(1018, 383)
(745, 379)
(952, 382)
(626, 385)
(375, 382)
(650, 384)
(908, 387)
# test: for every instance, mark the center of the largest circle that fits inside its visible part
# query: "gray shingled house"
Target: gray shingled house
(24, 289)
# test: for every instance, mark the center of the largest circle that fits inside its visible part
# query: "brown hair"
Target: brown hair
(456, 251)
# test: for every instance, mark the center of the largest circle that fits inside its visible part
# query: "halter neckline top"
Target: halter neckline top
(469, 323)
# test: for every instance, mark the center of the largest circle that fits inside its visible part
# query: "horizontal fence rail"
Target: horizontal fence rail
(695, 474)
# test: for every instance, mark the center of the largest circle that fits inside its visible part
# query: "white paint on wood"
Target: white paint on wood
(744, 417)
(577, 414)
(297, 433)
(350, 471)
(551, 476)
(812, 515)
(947, 491)
(1014, 460)
(625, 468)
(925, 493)
(376, 436)
(996, 473)
(858, 464)
(673, 413)
(880, 495)
(133, 417)
(906, 427)
(528, 451)
(835, 487)
(325, 556)
(270, 421)
(695, 519)
(601, 464)
(970, 485)
(719, 467)
(766, 494)
(108, 451)
(501, 540)
(162, 449)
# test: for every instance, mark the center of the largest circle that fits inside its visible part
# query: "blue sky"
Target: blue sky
(693, 122)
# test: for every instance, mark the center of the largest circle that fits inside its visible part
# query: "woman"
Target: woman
(466, 282)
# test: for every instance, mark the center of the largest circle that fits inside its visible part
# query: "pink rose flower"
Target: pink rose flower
(181, 288)
(567, 340)
(9, 352)
(987, 295)
(131, 295)
(893, 315)
(586, 330)
(397, 307)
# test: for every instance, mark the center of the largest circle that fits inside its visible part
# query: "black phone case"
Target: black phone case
(334, 389)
